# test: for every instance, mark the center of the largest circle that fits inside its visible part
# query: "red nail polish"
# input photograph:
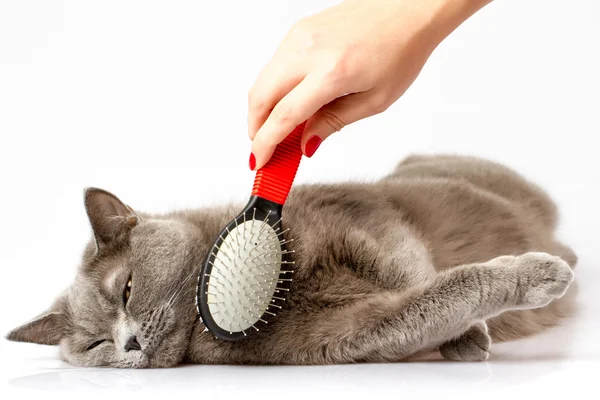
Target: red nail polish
(312, 145)
(252, 161)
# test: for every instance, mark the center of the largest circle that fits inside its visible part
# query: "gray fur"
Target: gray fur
(446, 253)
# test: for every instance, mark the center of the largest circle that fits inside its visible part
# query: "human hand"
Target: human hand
(346, 63)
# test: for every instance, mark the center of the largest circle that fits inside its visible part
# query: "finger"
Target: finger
(263, 99)
(334, 116)
(296, 107)
(278, 78)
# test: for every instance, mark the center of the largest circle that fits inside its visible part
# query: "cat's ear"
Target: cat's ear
(110, 218)
(47, 328)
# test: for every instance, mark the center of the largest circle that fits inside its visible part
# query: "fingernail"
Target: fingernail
(312, 145)
(252, 162)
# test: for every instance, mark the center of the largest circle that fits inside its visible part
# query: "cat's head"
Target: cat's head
(132, 303)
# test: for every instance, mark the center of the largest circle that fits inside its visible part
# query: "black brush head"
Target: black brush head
(247, 274)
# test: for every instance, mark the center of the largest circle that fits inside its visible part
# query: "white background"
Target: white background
(148, 99)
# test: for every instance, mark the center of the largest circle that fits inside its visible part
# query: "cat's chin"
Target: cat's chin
(134, 359)
(170, 352)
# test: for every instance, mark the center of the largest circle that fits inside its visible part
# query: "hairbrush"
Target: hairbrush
(247, 274)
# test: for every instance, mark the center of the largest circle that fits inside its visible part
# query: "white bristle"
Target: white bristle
(245, 274)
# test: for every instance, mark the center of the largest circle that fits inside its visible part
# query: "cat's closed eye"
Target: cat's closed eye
(127, 291)
(95, 344)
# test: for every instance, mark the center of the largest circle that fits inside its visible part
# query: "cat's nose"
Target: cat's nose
(132, 344)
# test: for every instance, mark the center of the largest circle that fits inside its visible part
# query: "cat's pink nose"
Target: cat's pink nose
(132, 344)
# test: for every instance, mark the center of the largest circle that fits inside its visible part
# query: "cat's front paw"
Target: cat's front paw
(541, 278)
(473, 345)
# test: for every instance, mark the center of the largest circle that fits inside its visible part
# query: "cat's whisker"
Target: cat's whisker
(179, 296)
(179, 287)
(175, 295)
(173, 288)
(177, 292)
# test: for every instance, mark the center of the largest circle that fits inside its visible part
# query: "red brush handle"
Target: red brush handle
(274, 180)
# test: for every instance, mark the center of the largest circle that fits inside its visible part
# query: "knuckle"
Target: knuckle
(379, 103)
(338, 68)
(334, 73)
(282, 113)
(333, 120)
(304, 34)
(255, 99)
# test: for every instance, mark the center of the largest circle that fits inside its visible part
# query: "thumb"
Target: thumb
(334, 116)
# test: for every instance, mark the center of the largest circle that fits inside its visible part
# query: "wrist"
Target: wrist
(445, 16)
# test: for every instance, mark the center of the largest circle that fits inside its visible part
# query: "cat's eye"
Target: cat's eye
(127, 291)
(95, 344)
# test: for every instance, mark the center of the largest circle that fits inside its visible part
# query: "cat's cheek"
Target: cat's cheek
(69, 356)
(64, 352)
(74, 358)
(171, 351)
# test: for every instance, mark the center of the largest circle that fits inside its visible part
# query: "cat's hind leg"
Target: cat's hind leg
(473, 345)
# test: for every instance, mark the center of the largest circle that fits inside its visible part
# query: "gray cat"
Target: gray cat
(446, 253)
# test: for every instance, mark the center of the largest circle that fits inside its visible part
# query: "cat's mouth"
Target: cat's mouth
(135, 359)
